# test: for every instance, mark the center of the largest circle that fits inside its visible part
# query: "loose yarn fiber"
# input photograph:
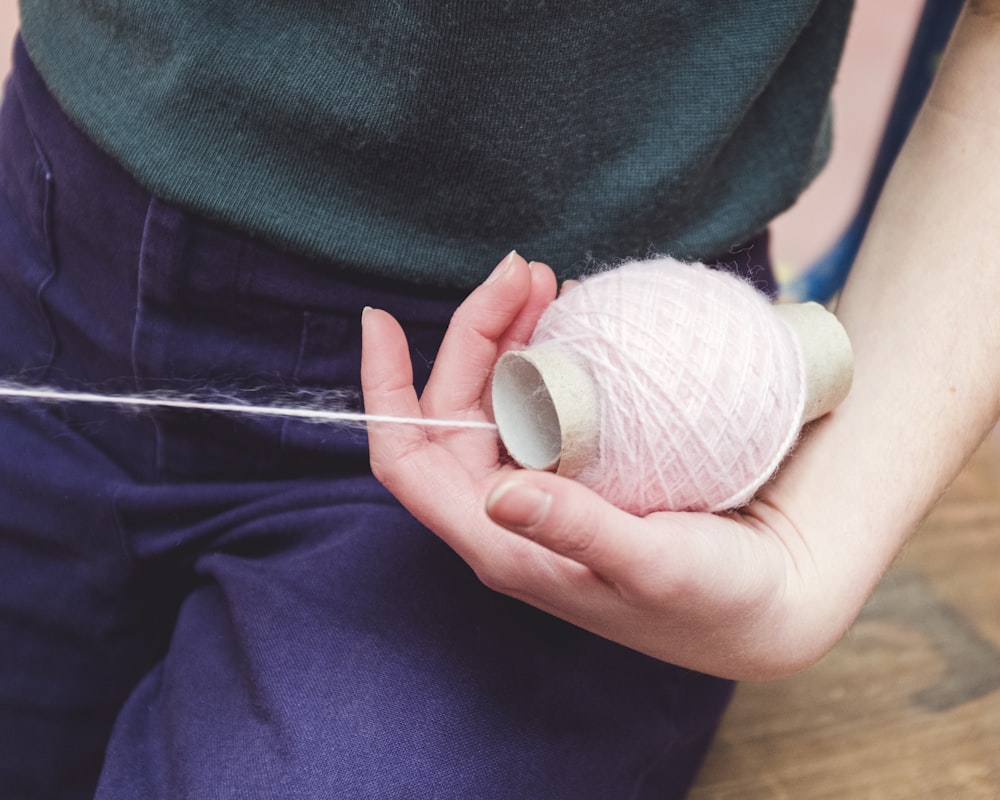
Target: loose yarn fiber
(699, 384)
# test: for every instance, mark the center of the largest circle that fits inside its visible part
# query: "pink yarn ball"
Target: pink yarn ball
(699, 384)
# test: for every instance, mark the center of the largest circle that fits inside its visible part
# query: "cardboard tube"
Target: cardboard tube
(826, 356)
(545, 407)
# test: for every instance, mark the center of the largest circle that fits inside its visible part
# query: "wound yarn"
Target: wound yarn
(698, 386)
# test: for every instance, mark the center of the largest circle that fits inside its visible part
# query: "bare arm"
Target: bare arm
(922, 307)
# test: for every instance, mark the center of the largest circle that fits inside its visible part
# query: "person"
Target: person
(205, 196)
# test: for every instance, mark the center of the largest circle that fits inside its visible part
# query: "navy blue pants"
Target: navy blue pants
(199, 606)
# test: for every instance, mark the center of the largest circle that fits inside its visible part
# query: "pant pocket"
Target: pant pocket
(214, 323)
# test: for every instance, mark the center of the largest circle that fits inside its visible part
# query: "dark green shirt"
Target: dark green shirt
(423, 140)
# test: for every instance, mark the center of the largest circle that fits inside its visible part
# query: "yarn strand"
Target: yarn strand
(42, 394)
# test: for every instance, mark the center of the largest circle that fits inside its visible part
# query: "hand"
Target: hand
(731, 595)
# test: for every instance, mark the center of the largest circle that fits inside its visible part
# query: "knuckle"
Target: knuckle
(392, 466)
(493, 578)
(569, 537)
(379, 471)
(509, 576)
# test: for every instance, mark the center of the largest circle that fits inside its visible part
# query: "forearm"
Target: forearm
(921, 308)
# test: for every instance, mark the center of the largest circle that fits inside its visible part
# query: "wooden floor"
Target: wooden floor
(908, 705)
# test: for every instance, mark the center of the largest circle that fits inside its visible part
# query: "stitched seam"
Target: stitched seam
(45, 232)
(297, 370)
(142, 266)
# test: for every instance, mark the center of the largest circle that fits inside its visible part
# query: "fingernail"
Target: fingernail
(568, 286)
(364, 313)
(501, 268)
(518, 505)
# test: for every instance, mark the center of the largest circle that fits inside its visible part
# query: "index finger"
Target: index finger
(471, 345)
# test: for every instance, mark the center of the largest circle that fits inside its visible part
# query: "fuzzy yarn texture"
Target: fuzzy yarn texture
(700, 384)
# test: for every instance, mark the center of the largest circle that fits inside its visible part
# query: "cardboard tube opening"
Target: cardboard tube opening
(525, 414)
(545, 408)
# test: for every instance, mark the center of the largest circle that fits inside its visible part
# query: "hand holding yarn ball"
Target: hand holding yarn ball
(733, 595)
(667, 386)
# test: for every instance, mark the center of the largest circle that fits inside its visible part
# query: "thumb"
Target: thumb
(569, 519)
